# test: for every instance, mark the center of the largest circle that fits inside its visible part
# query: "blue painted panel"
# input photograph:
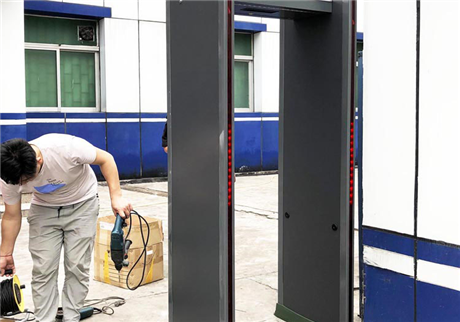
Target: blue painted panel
(270, 114)
(12, 116)
(50, 115)
(8, 132)
(94, 133)
(85, 115)
(66, 9)
(441, 254)
(269, 145)
(123, 115)
(154, 159)
(437, 304)
(154, 115)
(250, 26)
(123, 141)
(247, 146)
(388, 241)
(35, 130)
(389, 296)
(247, 115)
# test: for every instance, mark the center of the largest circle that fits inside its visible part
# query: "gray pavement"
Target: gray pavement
(256, 241)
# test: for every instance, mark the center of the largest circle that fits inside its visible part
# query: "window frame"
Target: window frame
(69, 48)
(250, 61)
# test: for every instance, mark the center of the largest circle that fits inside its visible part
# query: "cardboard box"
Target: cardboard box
(104, 269)
(105, 226)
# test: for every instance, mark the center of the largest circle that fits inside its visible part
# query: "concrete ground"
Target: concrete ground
(256, 242)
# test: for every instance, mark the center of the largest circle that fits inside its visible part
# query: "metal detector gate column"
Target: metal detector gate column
(315, 213)
(200, 37)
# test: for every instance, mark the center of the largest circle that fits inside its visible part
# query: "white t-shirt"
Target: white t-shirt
(65, 177)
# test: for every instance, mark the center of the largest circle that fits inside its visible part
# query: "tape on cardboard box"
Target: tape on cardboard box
(105, 271)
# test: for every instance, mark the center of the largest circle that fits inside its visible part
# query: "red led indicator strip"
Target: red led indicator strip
(230, 104)
(352, 161)
(231, 274)
(229, 153)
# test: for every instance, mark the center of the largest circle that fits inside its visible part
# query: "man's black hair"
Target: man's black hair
(18, 161)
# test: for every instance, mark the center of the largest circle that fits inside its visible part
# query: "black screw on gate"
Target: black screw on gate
(334, 227)
(287, 215)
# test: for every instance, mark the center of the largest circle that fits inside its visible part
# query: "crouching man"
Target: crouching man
(63, 213)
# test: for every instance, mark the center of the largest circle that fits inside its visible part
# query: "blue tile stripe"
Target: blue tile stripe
(391, 242)
(436, 253)
(66, 9)
(248, 114)
(427, 250)
(35, 115)
(85, 115)
(12, 116)
(123, 115)
(270, 114)
(250, 26)
(154, 115)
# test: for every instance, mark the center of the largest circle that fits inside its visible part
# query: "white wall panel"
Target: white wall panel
(12, 62)
(248, 19)
(360, 16)
(152, 10)
(266, 71)
(119, 65)
(273, 25)
(127, 9)
(389, 115)
(439, 147)
(153, 67)
(87, 2)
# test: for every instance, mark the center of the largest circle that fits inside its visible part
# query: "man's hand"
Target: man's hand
(7, 262)
(121, 207)
(11, 225)
(166, 149)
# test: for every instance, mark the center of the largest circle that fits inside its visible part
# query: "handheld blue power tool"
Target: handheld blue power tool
(118, 245)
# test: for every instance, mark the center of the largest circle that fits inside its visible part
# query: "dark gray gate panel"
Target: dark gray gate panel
(199, 268)
(316, 249)
(285, 9)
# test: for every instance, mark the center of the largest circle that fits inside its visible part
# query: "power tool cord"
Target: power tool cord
(106, 309)
(144, 250)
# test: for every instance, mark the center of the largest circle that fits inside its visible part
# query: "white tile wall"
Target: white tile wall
(389, 115)
(153, 67)
(12, 63)
(439, 147)
(126, 9)
(273, 25)
(99, 3)
(120, 65)
(266, 71)
(152, 10)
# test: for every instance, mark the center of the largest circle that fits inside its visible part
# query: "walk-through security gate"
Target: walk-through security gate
(315, 158)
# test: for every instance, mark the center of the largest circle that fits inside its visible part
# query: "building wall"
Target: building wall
(12, 79)
(133, 90)
(411, 153)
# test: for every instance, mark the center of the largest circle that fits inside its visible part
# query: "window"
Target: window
(62, 64)
(243, 73)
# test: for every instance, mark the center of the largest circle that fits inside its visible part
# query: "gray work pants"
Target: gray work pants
(51, 228)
